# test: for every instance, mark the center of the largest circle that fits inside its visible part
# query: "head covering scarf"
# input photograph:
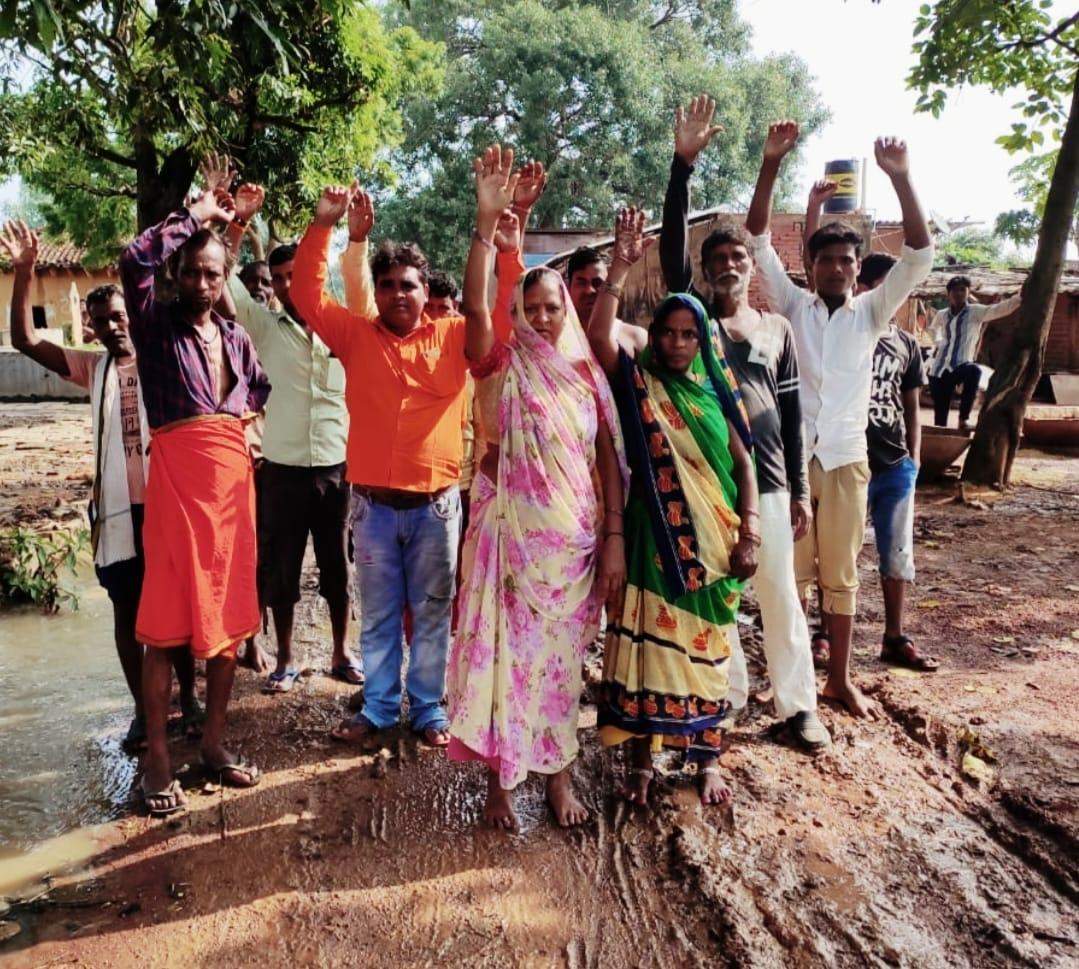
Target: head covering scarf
(648, 448)
(708, 361)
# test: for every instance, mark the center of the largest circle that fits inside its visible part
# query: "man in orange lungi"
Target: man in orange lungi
(201, 379)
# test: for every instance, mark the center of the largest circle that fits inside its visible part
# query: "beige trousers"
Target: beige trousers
(828, 553)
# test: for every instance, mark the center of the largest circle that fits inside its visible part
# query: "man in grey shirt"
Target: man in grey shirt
(760, 350)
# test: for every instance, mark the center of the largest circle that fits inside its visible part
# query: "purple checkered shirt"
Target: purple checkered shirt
(174, 370)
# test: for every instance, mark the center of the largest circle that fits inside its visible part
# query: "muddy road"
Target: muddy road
(881, 852)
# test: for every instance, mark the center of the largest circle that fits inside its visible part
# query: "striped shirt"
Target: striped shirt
(956, 335)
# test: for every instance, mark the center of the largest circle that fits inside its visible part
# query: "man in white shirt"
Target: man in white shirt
(835, 335)
(956, 332)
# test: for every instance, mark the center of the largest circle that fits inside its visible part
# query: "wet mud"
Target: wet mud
(883, 852)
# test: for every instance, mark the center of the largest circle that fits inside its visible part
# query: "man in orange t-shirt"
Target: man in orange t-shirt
(405, 381)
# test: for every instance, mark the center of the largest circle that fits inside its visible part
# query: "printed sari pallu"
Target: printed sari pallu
(667, 655)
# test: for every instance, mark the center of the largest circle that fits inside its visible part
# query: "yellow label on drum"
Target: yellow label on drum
(846, 182)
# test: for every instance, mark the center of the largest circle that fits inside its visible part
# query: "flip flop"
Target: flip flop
(281, 682)
(239, 773)
(901, 651)
(349, 672)
(173, 795)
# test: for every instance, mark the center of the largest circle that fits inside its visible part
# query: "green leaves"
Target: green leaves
(31, 565)
(128, 96)
(1003, 46)
(590, 89)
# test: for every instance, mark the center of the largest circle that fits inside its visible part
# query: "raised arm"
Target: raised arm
(141, 260)
(916, 259)
(693, 131)
(495, 184)
(328, 318)
(822, 190)
(529, 190)
(355, 269)
(509, 268)
(780, 293)
(21, 246)
(629, 246)
(782, 137)
(236, 302)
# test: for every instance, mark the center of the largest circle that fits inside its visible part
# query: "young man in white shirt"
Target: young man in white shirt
(835, 334)
(957, 331)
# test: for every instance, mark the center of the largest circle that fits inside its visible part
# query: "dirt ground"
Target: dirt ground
(881, 852)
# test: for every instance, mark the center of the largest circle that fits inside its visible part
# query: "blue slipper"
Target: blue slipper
(281, 682)
(350, 672)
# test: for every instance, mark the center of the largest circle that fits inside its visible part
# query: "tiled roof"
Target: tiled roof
(63, 256)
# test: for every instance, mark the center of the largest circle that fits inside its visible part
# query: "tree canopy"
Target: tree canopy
(108, 106)
(590, 89)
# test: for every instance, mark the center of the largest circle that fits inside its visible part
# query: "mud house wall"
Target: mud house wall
(58, 293)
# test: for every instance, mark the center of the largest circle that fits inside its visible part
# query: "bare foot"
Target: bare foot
(639, 774)
(568, 811)
(254, 658)
(356, 730)
(498, 811)
(635, 790)
(847, 694)
(714, 789)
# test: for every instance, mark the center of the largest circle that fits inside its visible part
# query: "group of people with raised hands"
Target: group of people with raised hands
(624, 482)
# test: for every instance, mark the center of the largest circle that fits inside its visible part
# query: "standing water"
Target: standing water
(64, 709)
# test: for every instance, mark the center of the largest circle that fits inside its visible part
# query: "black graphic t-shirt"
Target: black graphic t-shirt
(897, 367)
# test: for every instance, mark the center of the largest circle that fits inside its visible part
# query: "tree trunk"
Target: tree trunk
(989, 461)
(162, 186)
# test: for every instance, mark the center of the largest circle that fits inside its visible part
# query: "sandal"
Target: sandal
(350, 672)
(172, 795)
(238, 773)
(355, 730)
(281, 682)
(901, 651)
(821, 647)
(434, 736)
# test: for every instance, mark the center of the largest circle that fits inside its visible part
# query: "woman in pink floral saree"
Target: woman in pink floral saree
(544, 547)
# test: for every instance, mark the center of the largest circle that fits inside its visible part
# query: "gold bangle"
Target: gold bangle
(615, 289)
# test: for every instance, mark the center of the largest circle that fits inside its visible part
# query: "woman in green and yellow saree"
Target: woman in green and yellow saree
(691, 530)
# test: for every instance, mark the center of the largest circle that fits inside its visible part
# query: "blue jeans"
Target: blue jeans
(891, 508)
(407, 556)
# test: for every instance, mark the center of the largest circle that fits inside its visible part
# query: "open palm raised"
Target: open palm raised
(629, 241)
(496, 181)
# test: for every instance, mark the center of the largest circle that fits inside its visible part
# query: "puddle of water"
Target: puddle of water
(64, 708)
